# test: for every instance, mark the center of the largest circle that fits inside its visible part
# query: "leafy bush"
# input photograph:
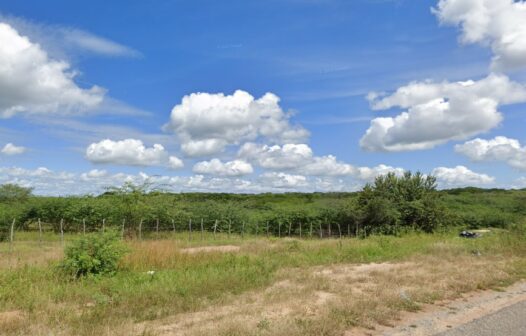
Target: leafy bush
(93, 254)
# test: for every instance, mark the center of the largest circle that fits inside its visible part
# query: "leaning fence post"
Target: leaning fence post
(39, 231)
(84, 225)
(103, 225)
(173, 224)
(122, 229)
(140, 229)
(62, 231)
(190, 226)
(229, 227)
(202, 229)
(243, 230)
(339, 230)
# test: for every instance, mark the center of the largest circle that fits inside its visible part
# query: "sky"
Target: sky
(253, 96)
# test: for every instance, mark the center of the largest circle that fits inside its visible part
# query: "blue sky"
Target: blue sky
(130, 63)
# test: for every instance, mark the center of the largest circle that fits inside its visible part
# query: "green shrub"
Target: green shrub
(93, 254)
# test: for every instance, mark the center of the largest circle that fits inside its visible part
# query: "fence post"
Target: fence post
(190, 226)
(157, 227)
(329, 226)
(39, 231)
(321, 232)
(122, 229)
(257, 229)
(173, 224)
(140, 229)
(215, 229)
(243, 230)
(310, 231)
(300, 230)
(267, 230)
(279, 229)
(103, 225)
(290, 227)
(12, 234)
(202, 229)
(62, 231)
(84, 225)
(339, 230)
(229, 227)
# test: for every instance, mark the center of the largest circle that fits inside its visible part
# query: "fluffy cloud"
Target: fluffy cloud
(206, 123)
(498, 149)
(460, 176)
(130, 152)
(31, 82)
(498, 23)
(439, 112)
(10, 149)
(282, 180)
(216, 167)
(287, 156)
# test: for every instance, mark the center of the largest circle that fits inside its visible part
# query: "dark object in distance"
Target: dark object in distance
(469, 234)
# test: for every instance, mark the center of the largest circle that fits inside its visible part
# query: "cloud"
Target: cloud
(130, 152)
(439, 112)
(206, 123)
(500, 24)
(282, 180)
(216, 167)
(460, 176)
(31, 82)
(10, 149)
(287, 156)
(61, 41)
(498, 149)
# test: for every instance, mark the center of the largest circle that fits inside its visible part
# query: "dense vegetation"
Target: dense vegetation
(390, 205)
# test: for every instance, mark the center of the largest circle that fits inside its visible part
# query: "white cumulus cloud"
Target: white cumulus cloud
(439, 112)
(216, 167)
(130, 152)
(460, 176)
(31, 82)
(283, 180)
(501, 24)
(206, 123)
(10, 149)
(498, 149)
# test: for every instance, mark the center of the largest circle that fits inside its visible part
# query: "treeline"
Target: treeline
(390, 205)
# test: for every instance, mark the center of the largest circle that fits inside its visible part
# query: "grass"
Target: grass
(243, 284)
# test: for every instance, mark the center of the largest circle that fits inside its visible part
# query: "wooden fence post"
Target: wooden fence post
(84, 225)
(202, 229)
(103, 225)
(267, 230)
(257, 229)
(243, 230)
(12, 234)
(229, 227)
(62, 231)
(290, 227)
(190, 226)
(157, 227)
(310, 232)
(339, 230)
(329, 226)
(321, 232)
(140, 229)
(300, 230)
(348, 230)
(39, 231)
(173, 224)
(279, 229)
(215, 229)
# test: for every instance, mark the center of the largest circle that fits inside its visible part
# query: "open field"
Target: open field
(250, 286)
